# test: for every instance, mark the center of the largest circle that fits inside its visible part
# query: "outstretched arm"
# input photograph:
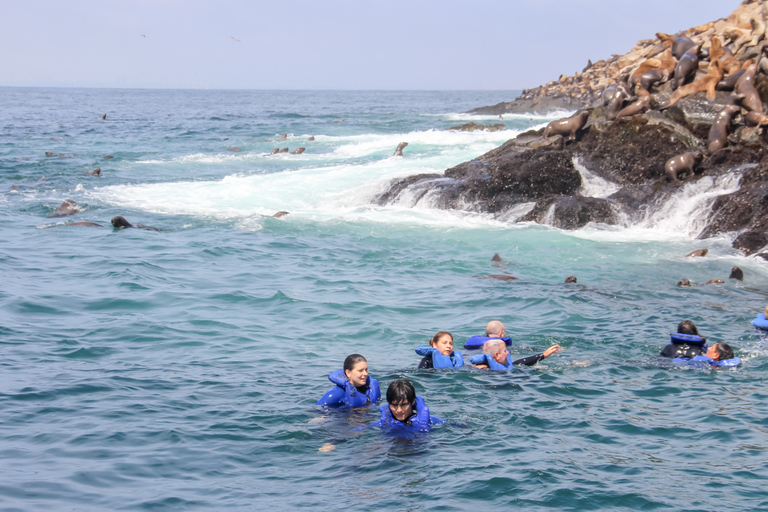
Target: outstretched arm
(532, 360)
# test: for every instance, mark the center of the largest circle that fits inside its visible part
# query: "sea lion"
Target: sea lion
(713, 281)
(684, 283)
(95, 172)
(729, 82)
(707, 84)
(108, 157)
(83, 224)
(280, 214)
(651, 78)
(616, 104)
(718, 133)
(697, 253)
(642, 104)
(736, 273)
(311, 138)
(284, 136)
(686, 67)
(120, 223)
(496, 258)
(284, 150)
(682, 163)
(570, 279)
(569, 125)
(755, 119)
(276, 150)
(104, 116)
(680, 46)
(746, 85)
(298, 151)
(234, 149)
(618, 86)
(399, 149)
(225, 139)
(500, 277)
(68, 207)
(644, 66)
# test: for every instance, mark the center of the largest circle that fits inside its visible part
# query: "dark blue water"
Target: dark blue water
(177, 369)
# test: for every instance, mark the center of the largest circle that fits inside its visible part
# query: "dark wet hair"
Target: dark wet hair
(440, 335)
(401, 391)
(687, 327)
(352, 360)
(724, 351)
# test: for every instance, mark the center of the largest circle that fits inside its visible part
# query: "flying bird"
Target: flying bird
(142, 35)
(235, 40)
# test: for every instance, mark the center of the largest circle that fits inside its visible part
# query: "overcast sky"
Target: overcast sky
(325, 44)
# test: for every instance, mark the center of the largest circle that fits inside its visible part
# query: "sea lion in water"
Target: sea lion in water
(284, 150)
(718, 133)
(234, 149)
(83, 224)
(736, 273)
(104, 116)
(684, 283)
(68, 207)
(284, 136)
(569, 125)
(570, 279)
(746, 85)
(120, 223)
(686, 67)
(500, 277)
(399, 149)
(682, 163)
(276, 150)
(312, 138)
(698, 253)
(95, 172)
(298, 151)
(108, 157)
(280, 214)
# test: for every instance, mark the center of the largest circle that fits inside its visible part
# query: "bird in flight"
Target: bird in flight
(142, 35)
(235, 40)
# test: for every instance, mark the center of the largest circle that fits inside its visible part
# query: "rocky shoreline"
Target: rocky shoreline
(640, 117)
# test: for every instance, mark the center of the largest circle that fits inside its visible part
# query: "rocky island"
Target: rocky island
(675, 110)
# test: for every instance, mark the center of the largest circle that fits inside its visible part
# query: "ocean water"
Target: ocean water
(177, 369)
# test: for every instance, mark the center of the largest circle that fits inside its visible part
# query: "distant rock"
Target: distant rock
(473, 127)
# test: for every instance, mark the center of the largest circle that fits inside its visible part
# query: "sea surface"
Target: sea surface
(178, 369)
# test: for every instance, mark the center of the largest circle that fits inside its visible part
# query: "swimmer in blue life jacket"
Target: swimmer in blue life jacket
(354, 387)
(495, 356)
(494, 330)
(440, 353)
(686, 343)
(719, 354)
(405, 410)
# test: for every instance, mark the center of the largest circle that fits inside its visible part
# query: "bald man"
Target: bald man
(493, 331)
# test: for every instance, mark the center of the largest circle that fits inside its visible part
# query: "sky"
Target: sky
(328, 44)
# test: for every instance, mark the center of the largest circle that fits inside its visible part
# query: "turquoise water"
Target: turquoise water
(177, 369)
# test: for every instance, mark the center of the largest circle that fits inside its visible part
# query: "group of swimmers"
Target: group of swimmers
(354, 387)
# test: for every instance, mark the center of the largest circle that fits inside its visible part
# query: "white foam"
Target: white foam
(593, 185)
(528, 116)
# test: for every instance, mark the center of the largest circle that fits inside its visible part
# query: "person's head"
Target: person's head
(687, 327)
(401, 398)
(356, 370)
(766, 312)
(497, 350)
(443, 342)
(720, 351)
(495, 329)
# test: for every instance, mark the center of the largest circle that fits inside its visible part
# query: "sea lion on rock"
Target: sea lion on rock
(280, 214)
(95, 172)
(651, 78)
(120, 223)
(642, 104)
(728, 83)
(570, 125)
(707, 84)
(755, 119)
(570, 279)
(680, 46)
(298, 151)
(686, 67)
(746, 85)
(68, 207)
(682, 163)
(399, 149)
(718, 133)
(736, 273)
(697, 253)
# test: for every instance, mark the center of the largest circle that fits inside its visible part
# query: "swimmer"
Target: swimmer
(495, 356)
(354, 387)
(493, 330)
(440, 353)
(719, 354)
(688, 346)
(405, 409)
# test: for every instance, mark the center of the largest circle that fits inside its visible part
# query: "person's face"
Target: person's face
(358, 375)
(501, 356)
(444, 345)
(712, 353)
(401, 411)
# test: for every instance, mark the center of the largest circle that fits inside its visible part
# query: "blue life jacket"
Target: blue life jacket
(420, 420)
(760, 322)
(491, 362)
(709, 361)
(677, 338)
(455, 360)
(476, 342)
(353, 397)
